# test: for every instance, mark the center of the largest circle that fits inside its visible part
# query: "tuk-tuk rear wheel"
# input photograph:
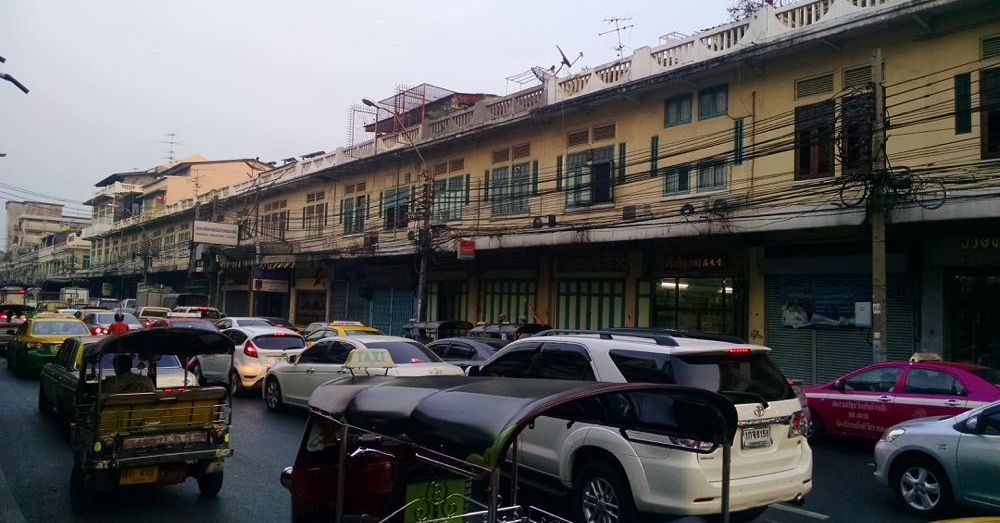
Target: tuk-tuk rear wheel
(210, 484)
(80, 498)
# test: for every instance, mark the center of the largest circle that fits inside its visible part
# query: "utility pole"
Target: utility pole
(424, 245)
(878, 210)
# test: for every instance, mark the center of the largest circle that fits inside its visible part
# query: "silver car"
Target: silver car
(932, 463)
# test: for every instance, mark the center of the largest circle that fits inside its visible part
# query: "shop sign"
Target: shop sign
(980, 243)
(270, 280)
(216, 233)
(466, 249)
(260, 285)
(686, 263)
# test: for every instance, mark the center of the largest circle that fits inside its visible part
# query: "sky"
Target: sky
(252, 78)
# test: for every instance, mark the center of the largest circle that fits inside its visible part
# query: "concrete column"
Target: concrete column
(633, 271)
(292, 296)
(932, 310)
(755, 295)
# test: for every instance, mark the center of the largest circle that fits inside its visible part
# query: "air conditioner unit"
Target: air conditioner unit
(720, 206)
(371, 240)
(633, 212)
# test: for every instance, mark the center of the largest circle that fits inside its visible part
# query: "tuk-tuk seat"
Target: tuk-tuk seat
(190, 409)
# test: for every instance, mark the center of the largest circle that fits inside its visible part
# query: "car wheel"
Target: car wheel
(210, 484)
(198, 375)
(922, 487)
(815, 431)
(44, 406)
(235, 387)
(81, 500)
(272, 395)
(601, 494)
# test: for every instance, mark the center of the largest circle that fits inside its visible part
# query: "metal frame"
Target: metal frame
(659, 339)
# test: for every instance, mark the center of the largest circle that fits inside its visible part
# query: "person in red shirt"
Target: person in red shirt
(119, 326)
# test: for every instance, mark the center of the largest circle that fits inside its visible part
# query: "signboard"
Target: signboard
(466, 249)
(686, 263)
(216, 233)
(260, 285)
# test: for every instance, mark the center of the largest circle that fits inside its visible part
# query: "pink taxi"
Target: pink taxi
(866, 402)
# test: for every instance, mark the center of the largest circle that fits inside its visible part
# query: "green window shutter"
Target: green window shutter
(468, 183)
(368, 200)
(963, 103)
(340, 219)
(654, 155)
(534, 177)
(381, 201)
(621, 162)
(738, 141)
(559, 172)
(486, 186)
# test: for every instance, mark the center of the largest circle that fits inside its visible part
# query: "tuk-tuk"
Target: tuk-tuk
(386, 449)
(507, 331)
(128, 431)
(428, 331)
(12, 315)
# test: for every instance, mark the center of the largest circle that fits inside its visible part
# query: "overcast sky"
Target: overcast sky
(242, 78)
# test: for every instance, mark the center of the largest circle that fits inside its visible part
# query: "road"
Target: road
(35, 462)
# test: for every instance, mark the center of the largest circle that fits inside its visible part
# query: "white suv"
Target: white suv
(771, 460)
(256, 350)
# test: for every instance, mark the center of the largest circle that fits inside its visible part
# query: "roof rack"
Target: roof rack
(677, 333)
(660, 339)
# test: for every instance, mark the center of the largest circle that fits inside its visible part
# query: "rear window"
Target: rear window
(153, 313)
(254, 322)
(356, 333)
(211, 314)
(203, 325)
(109, 317)
(272, 342)
(741, 378)
(43, 328)
(992, 376)
(405, 351)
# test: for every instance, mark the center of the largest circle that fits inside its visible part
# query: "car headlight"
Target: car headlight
(892, 434)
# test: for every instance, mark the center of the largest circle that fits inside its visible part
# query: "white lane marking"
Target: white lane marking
(9, 511)
(799, 511)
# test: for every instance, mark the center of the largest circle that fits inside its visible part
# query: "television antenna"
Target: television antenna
(171, 141)
(621, 24)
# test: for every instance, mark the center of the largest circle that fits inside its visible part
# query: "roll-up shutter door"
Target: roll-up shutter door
(391, 308)
(591, 304)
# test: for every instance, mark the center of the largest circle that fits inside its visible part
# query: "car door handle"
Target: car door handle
(885, 399)
(952, 403)
(310, 370)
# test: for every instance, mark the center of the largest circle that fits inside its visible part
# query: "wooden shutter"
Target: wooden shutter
(654, 155)
(559, 168)
(486, 186)
(814, 86)
(604, 132)
(738, 141)
(963, 103)
(621, 162)
(468, 184)
(534, 177)
(580, 137)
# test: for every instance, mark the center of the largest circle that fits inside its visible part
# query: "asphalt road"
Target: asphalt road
(35, 463)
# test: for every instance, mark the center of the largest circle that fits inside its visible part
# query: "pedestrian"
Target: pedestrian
(119, 326)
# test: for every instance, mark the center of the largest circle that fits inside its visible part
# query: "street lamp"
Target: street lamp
(423, 235)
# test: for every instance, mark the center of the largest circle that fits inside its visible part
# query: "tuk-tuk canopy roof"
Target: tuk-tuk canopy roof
(475, 419)
(170, 340)
(449, 324)
(497, 328)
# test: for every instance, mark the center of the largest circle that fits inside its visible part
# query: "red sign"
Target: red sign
(466, 249)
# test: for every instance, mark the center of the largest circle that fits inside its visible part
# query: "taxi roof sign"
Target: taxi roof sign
(183, 314)
(360, 359)
(347, 323)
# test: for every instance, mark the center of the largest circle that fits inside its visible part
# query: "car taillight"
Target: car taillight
(146, 324)
(97, 331)
(799, 423)
(739, 350)
(250, 349)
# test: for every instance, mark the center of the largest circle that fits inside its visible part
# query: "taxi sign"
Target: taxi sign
(924, 356)
(369, 359)
(184, 315)
(347, 323)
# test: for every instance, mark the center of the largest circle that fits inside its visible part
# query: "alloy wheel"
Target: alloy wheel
(273, 395)
(920, 488)
(600, 501)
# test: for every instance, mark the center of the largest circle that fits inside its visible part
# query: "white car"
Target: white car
(293, 382)
(257, 350)
(607, 474)
(236, 321)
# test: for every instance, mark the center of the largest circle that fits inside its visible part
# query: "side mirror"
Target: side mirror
(294, 359)
(837, 385)
(474, 370)
(972, 425)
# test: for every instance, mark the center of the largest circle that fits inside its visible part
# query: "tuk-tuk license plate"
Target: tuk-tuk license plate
(756, 437)
(139, 475)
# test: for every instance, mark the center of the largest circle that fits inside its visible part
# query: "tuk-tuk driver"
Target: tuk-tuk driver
(124, 380)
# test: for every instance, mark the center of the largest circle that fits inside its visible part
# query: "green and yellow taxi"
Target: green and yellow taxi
(35, 342)
(340, 328)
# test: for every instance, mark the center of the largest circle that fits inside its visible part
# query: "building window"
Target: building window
(676, 180)
(589, 177)
(814, 135)
(677, 110)
(963, 103)
(274, 223)
(449, 199)
(86, 261)
(354, 211)
(396, 208)
(712, 176)
(314, 213)
(713, 102)
(989, 101)
(509, 189)
(857, 113)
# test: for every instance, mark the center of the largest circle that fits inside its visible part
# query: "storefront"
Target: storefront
(310, 293)
(270, 285)
(382, 296)
(512, 299)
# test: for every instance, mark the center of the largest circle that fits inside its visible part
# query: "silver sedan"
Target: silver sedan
(932, 463)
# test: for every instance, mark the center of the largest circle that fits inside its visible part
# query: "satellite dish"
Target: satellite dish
(542, 74)
(565, 61)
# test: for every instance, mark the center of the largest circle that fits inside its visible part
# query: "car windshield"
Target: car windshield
(991, 376)
(405, 351)
(278, 342)
(58, 327)
(254, 322)
(211, 314)
(154, 313)
(164, 361)
(194, 324)
(355, 333)
(109, 317)
(744, 378)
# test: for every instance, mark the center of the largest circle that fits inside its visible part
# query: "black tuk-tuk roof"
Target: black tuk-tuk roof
(434, 411)
(458, 324)
(169, 340)
(518, 328)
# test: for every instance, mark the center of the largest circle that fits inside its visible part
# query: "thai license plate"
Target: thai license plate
(139, 475)
(756, 437)
(275, 360)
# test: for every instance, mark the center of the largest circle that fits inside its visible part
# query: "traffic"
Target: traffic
(148, 397)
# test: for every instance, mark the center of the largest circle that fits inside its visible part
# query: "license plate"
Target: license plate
(756, 437)
(276, 359)
(139, 475)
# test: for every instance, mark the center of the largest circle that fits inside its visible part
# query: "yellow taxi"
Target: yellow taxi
(338, 328)
(35, 342)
